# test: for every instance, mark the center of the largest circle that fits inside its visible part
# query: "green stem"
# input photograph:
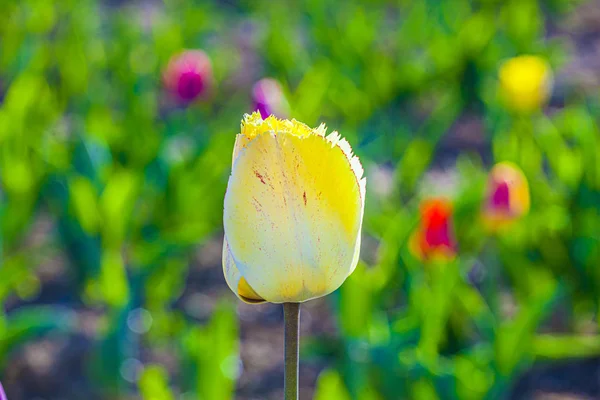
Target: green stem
(291, 316)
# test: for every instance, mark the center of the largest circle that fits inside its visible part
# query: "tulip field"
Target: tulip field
(261, 200)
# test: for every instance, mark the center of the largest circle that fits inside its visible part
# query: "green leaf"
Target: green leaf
(154, 383)
(514, 339)
(32, 322)
(565, 346)
(116, 204)
(330, 386)
(356, 303)
(113, 278)
(84, 200)
(218, 358)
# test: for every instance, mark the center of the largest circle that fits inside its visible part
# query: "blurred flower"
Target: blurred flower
(2, 394)
(268, 99)
(525, 83)
(507, 195)
(293, 212)
(188, 76)
(434, 238)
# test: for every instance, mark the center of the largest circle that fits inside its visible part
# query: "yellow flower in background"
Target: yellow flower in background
(293, 212)
(525, 83)
(507, 195)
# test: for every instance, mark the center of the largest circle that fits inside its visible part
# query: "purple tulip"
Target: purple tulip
(268, 99)
(2, 394)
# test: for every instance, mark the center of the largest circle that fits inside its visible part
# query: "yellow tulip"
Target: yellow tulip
(293, 212)
(525, 83)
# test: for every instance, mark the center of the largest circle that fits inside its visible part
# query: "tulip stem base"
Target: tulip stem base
(291, 316)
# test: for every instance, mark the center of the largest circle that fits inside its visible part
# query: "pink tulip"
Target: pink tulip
(188, 76)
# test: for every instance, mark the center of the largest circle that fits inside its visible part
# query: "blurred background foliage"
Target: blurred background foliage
(111, 197)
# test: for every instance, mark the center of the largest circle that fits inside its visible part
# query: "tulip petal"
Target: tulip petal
(235, 280)
(293, 213)
(240, 142)
(512, 175)
(526, 82)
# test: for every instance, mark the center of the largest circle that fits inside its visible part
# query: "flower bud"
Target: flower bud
(507, 196)
(268, 99)
(188, 76)
(434, 238)
(525, 83)
(293, 212)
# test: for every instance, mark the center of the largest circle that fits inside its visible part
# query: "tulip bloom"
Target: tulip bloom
(188, 76)
(525, 83)
(293, 212)
(507, 195)
(434, 238)
(268, 99)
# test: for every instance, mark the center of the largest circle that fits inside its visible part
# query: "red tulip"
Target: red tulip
(434, 238)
